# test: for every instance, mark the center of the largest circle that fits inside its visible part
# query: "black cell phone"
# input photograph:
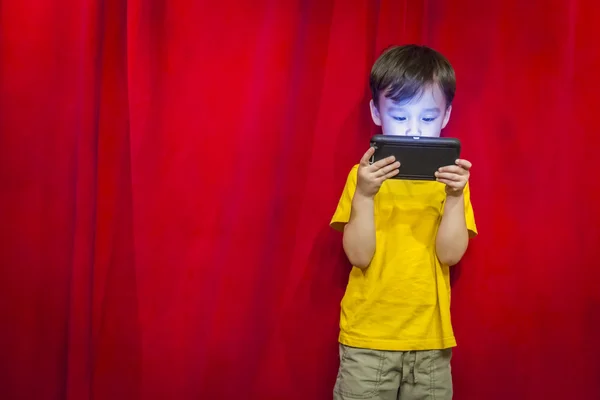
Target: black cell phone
(420, 157)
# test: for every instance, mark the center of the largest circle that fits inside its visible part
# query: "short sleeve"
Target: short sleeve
(342, 212)
(469, 215)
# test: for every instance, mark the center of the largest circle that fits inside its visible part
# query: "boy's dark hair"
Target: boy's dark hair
(402, 72)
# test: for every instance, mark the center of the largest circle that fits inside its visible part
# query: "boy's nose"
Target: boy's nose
(413, 129)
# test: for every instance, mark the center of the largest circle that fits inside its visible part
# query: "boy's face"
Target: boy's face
(424, 115)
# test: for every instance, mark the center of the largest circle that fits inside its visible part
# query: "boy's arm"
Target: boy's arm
(453, 236)
(453, 233)
(359, 232)
(358, 205)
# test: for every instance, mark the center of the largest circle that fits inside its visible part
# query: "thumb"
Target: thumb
(364, 161)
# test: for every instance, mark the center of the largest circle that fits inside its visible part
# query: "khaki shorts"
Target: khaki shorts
(393, 375)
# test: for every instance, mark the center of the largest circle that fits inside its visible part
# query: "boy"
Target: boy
(402, 237)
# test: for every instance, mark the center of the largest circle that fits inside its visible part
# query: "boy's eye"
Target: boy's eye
(399, 118)
(428, 119)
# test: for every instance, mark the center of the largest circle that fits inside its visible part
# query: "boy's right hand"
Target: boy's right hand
(371, 176)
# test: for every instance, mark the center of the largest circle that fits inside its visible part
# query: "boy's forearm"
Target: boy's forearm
(359, 232)
(452, 237)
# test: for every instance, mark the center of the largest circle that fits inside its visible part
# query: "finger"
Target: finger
(384, 162)
(449, 176)
(452, 184)
(447, 182)
(465, 164)
(390, 174)
(367, 156)
(453, 169)
(387, 169)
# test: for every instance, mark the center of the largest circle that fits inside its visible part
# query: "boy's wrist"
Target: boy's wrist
(362, 198)
(455, 194)
(363, 204)
(454, 199)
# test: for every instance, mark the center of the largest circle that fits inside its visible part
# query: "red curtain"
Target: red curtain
(168, 169)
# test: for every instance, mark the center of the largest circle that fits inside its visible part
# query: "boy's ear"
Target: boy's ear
(447, 116)
(375, 113)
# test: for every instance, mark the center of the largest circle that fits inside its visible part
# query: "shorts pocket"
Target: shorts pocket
(359, 375)
(434, 372)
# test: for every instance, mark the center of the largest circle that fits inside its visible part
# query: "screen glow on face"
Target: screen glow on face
(424, 115)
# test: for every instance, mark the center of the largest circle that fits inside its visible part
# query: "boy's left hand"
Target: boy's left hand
(455, 177)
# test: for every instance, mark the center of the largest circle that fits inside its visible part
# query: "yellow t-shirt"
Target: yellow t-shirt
(401, 301)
